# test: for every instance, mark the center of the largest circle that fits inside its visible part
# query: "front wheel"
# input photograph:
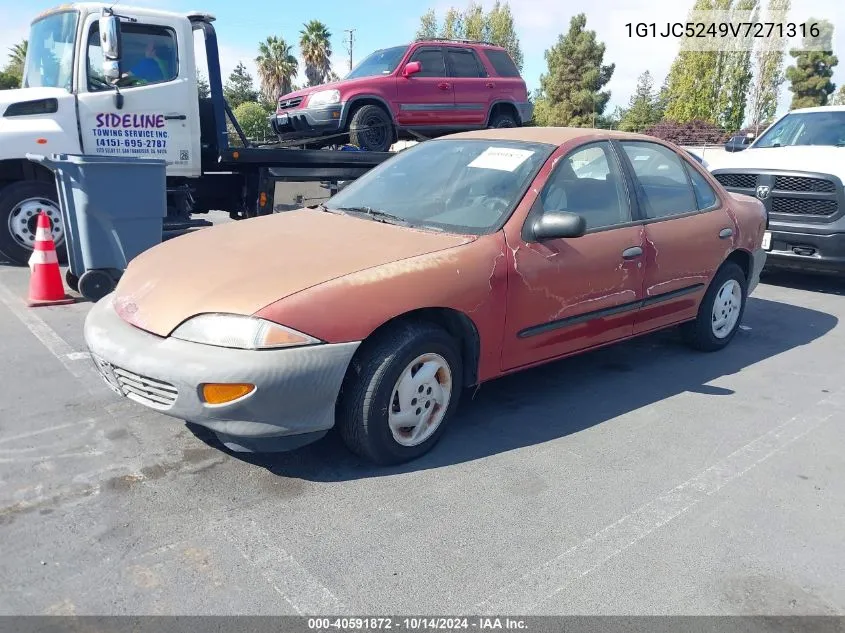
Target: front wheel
(399, 393)
(720, 312)
(20, 205)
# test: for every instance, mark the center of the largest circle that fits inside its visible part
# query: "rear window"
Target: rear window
(502, 63)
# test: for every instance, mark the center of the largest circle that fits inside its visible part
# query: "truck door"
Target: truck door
(159, 115)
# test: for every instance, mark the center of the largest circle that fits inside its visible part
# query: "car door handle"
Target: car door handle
(725, 233)
(632, 253)
(444, 86)
(490, 84)
(175, 117)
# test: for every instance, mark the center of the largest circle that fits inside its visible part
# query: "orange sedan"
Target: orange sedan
(455, 262)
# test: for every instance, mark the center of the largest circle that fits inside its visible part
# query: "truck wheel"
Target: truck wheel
(399, 393)
(20, 205)
(372, 129)
(503, 119)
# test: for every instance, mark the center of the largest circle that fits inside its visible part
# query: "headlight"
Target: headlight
(240, 332)
(324, 97)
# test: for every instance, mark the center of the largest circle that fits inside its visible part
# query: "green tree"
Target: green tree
(496, 26)
(694, 78)
(203, 88)
(736, 81)
(17, 57)
(239, 87)
(769, 77)
(428, 25)
(277, 67)
(316, 47)
(9, 81)
(644, 108)
(811, 75)
(571, 91)
(253, 118)
(838, 98)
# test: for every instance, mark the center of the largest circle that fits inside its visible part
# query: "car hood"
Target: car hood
(825, 159)
(241, 267)
(341, 83)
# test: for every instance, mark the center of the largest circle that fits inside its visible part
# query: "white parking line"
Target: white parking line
(54, 343)
(550, 578)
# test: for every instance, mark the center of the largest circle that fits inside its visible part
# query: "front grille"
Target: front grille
(149, 391)
(287, 104)
(803, 206)
(803, 183)
(737, 181)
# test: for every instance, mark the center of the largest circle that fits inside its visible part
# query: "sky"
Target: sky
(380, 23)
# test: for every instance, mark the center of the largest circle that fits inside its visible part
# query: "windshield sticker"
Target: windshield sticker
(501, 158)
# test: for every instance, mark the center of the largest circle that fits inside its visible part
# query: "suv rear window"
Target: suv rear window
(502, 63)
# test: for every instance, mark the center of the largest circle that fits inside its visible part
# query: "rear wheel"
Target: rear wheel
(20, 205)
(372, 129)
(399, 393)
(503, 118)
(720, 312)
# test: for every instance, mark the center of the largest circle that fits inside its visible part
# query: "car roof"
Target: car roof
(549, 135)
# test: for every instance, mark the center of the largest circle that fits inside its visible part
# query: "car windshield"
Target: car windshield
(806, 128)
(49, 56)
(381, 62)
(466, 186)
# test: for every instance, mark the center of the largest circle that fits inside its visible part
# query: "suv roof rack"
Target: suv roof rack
(453, 39)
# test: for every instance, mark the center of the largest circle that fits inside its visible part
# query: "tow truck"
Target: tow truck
(83, 93)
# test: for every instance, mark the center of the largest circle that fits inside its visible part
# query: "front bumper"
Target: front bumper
(758, 262)
(295, 389)
(811, 252)
(308, 122)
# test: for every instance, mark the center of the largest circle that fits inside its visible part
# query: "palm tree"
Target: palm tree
(316, 47)
(17, 57)
(276, 67)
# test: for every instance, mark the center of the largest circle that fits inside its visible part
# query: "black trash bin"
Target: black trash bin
(113, 208)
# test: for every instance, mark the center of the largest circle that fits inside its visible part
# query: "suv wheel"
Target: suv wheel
(503, 119)
(371, 128)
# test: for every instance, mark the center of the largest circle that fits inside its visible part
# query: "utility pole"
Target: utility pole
(350, 41)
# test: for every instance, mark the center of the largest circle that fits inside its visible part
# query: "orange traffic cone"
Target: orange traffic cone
(45, 282)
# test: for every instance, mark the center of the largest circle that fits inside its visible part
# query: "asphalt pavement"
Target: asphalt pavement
(644, 478)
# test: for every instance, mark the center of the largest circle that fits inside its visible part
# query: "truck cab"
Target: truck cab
(796, 167)
(123, 82)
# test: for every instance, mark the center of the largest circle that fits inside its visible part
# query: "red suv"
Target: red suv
(429, 88)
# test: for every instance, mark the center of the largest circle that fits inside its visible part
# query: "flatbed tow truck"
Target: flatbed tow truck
(81, 95)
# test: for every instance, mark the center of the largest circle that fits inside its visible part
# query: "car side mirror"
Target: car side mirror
(411, 68)
(110, 45)
(555, 225)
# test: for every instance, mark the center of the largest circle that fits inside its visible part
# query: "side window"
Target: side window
(431, 59)
(149, 56)
(463, 63)
(704, 194)
(502, 63)
(662, 177)
(589, 182)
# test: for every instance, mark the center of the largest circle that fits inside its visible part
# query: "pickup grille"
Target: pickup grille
(811, 197)
(737, 181)
(795, 206)
(287, 104)
(801, 183)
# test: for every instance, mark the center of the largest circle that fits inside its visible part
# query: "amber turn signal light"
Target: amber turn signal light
(221, 393)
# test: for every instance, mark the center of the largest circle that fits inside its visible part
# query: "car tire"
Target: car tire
(503, 119)
(383, 388)
(720, 312)
(18, 201)
(371, 128)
